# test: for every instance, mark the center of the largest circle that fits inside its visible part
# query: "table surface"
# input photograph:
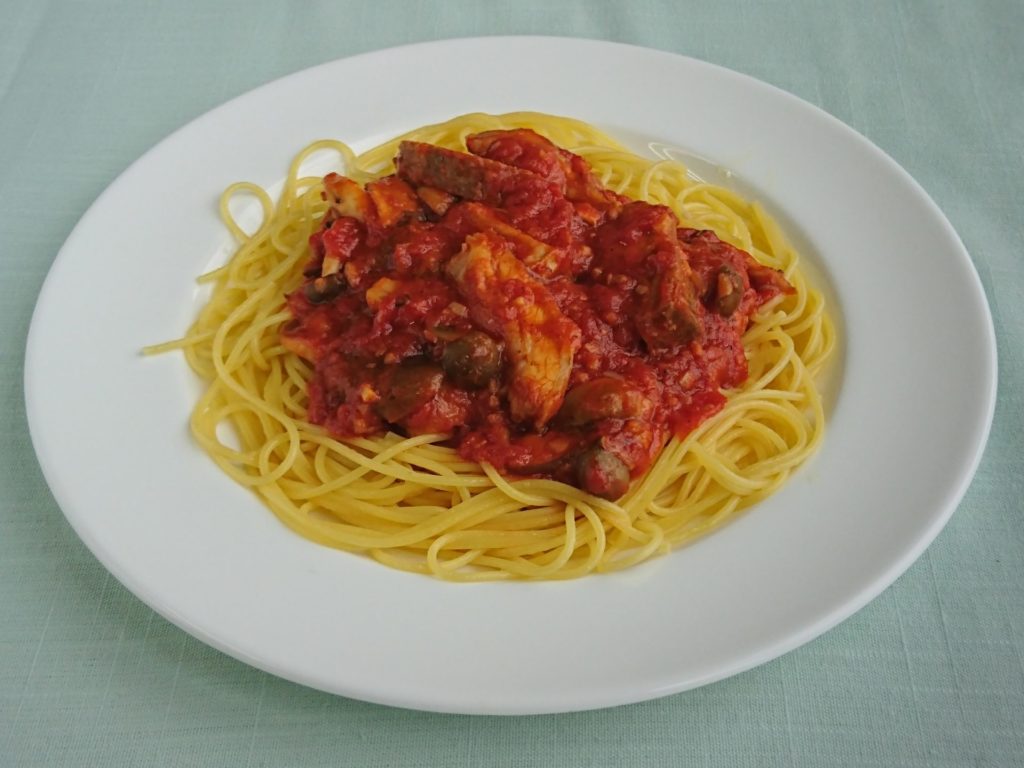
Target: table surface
(929, 674)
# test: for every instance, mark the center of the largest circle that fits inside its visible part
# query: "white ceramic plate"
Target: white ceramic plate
(909, 413)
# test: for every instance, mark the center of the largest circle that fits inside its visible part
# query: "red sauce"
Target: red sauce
(504, 297)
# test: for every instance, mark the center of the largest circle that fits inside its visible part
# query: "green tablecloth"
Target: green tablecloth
(931, 673)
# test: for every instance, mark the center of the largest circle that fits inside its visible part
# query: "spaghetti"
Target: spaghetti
(412, 502)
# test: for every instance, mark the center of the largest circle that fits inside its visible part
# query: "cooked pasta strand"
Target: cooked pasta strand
(416, 505)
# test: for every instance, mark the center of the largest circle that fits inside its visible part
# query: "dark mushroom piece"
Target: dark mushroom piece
(322, 289)
(726, 290)
(407, 388)
(472, 361)
(602, 398)
(602, 473)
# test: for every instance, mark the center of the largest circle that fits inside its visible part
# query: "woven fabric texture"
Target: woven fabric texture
(928, 674)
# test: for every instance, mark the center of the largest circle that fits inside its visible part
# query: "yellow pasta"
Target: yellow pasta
(415, 504)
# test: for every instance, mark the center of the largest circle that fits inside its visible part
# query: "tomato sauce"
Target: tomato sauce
(505, 298)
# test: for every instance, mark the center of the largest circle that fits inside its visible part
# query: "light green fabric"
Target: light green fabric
(929, 674)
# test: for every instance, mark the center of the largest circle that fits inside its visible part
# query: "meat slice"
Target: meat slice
(383, 203)
(347, 198)
(541, 258)
(526, 149)
(711, 259)
(641, 245)
(459, 173)
(508, 302)
(532, 203)
(768, 282)
(394, 201)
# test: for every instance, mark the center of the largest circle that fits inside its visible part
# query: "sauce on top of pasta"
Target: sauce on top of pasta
(504, 297)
